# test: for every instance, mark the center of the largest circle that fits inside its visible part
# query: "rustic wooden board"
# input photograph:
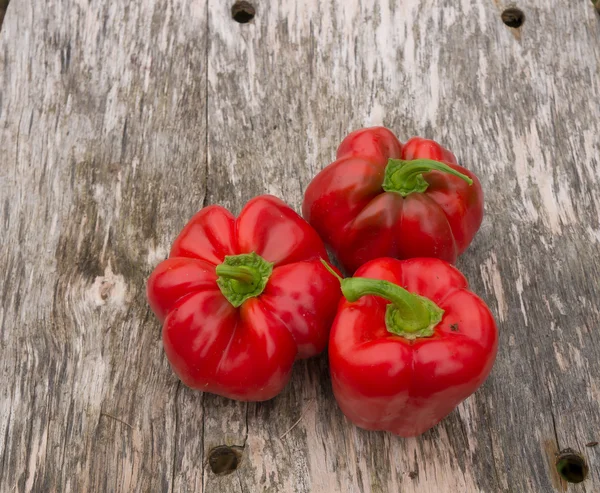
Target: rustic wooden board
(119, 120)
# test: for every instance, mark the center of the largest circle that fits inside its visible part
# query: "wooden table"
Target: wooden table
(120, 119)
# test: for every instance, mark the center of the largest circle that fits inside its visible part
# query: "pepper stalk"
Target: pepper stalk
(243, 276)
(407, 315)
(406, 177)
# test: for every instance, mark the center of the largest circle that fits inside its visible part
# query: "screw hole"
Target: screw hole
(571, 466)
(513, 17)
(223, 460)
(243, 12)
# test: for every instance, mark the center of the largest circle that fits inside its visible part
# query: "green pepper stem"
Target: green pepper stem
(243, 276)
(406, 177)
(240, 273)
(408, 315)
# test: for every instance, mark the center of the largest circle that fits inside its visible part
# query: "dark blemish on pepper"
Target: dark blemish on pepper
(454, 327)
(571, 466)
(224, 460)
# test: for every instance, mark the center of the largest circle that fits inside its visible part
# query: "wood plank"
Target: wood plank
(103, 125)
(118, 121)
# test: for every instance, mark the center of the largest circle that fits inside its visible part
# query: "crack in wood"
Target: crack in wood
(237, 473)
(553, 419)
(3, 7)
(243, 445)
(175, 435)
(203, 460)
(206, 101)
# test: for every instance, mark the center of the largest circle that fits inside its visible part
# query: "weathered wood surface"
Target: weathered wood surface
(120, 119)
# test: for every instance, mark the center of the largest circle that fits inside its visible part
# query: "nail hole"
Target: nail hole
(571, 466)
(242, 12)
(513, 17)
(223, 460)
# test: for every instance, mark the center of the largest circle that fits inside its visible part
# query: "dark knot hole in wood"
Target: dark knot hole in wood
(571, 466)
(513, 17)
(242, 12)
(224, 460)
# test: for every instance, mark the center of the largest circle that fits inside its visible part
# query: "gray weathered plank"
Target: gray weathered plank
(102, 131)
(119, 120)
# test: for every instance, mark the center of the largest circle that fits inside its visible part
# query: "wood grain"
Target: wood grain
(119, 120)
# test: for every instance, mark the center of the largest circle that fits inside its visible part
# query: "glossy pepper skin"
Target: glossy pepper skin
(402, 366)
(242, 299)
(384, 199)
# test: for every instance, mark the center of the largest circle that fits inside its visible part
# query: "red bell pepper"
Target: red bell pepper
(241, 299)
(409, 343)
(384, 199)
